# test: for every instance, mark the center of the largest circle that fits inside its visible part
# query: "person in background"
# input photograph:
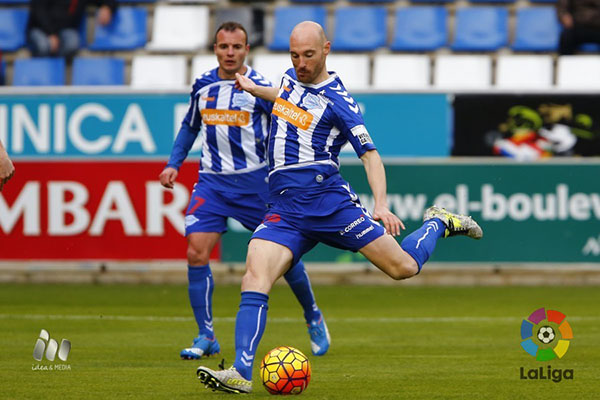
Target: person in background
(581, 22)
(7, 169)
(53, 26)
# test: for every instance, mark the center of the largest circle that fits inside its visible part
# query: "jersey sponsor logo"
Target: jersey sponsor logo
(352, 224)
(311, 101)
(240, 100)
(287, 89)
(225, 117)
(364, 232)
(292, 113)
(360, 132)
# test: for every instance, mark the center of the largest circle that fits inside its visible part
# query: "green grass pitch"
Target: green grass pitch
(392, 342)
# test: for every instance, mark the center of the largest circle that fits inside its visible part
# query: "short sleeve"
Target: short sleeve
(350, 122)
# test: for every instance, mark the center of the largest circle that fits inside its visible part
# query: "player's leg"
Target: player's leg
(205, 221)
(266, 262)
(405, 260)
(200, 291)
(251, 216)
(299, 282)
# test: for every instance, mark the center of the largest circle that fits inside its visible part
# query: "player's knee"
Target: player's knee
(197, 256)
(403, 269)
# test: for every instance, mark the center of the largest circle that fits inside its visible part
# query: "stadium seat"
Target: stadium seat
(250, 18)
(543, 1)
(420, 29)
(391, 71)
(312, 1)
(578, 72)
(432, 1)
(98, 71)
(14, 1)
(39, 72)
(158, 72)
(372, 1)
(537, 29)
(13, 24)
(462, 72)
(201, 64)
(492, 1)
(179, 28)
(353, 69)
(288, 17)
(272, 66)
(127, 31)
(480, 29)
(524, 72)
(359, 28)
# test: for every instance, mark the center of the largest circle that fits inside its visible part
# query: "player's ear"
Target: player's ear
(327, 47)
(215, 48)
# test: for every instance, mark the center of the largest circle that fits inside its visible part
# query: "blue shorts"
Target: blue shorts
(209, 209)
(332, 214)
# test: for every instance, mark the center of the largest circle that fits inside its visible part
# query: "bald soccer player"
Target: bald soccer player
(313, 117)
(232, 182)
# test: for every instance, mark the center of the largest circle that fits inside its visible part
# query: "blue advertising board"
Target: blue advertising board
(143, 125)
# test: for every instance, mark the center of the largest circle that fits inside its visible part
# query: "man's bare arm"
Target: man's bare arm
(263, 92)
(376, 177)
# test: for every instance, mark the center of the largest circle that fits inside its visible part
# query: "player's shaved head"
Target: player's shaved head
(309, 48)
(309, 31)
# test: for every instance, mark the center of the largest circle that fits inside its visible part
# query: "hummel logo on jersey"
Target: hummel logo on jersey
(292, 113)
(207, 98)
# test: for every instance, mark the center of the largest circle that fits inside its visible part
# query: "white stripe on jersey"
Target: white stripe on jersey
(249, 138)
(223, 145)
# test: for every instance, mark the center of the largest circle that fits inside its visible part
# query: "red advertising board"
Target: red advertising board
(96, 210)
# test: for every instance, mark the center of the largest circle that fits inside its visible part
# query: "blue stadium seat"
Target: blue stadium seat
(480, 29)
(14, 1)
(359, 28)
(13, 23)
(39, 72)
(492, 1)
(432, 1)
(537, 29)
(312, 1)
(286, 18)
(98, 71)
(543, 1)
(127, 30)
(590, 48)
(420, 29)
(372, 1)
(2, 72)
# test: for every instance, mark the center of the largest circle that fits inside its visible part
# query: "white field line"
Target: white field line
(153, 318)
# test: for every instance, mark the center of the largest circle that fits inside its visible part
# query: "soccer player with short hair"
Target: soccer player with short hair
(313, 117)
(232, 182)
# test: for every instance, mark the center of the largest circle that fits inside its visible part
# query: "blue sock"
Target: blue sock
(200, 290)
(298, 280)
(421, 243)
(249, 327)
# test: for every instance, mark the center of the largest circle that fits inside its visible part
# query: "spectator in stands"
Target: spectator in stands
(53, 27)
(7, 169)
(581, 22)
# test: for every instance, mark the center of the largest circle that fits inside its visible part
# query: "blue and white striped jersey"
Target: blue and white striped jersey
(233, 125)
(310, 125)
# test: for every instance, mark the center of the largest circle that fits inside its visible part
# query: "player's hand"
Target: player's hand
(54, 42)
(244, 83)
(391, 222)
(167, 177)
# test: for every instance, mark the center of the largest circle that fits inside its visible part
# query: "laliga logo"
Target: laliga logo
(546, 335)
